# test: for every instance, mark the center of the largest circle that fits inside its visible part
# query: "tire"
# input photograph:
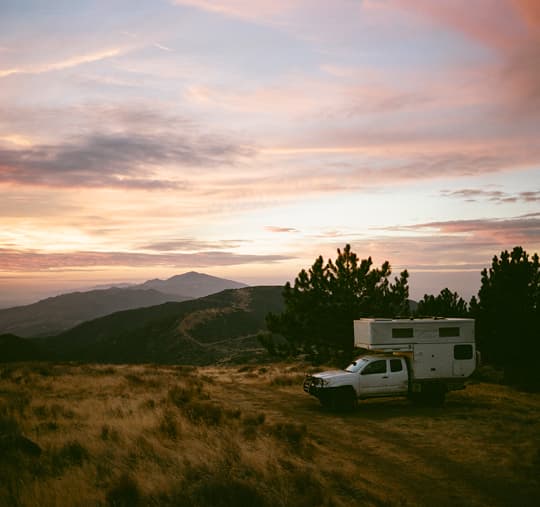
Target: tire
(339, 400)
(432, 395)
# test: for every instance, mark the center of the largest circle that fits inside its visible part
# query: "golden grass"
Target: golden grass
(248, 435)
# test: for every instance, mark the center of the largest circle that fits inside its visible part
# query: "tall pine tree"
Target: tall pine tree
(323, 302)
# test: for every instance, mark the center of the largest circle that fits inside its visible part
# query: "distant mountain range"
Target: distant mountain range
(56, 314)
(212, 329)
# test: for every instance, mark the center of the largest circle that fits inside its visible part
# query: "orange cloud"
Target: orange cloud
(530, 11)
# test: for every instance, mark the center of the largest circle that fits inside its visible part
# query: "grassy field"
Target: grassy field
(84, 435)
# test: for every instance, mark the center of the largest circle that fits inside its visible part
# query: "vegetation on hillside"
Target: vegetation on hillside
(216, 328)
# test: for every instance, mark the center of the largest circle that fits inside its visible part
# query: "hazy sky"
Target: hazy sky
(243, 138)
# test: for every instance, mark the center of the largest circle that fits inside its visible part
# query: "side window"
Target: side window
(463, 352)
(396, 365)
(375, 367)
(447, 332)
(402, 332)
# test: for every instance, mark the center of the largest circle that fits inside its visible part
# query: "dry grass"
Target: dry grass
(219, 436)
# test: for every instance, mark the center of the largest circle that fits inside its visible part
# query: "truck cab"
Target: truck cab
(366, 377)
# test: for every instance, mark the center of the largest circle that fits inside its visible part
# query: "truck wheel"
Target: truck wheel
(344, 399)
(437, 397)
(341, 400)
(349, 402)
(433, 396)
(326, 401)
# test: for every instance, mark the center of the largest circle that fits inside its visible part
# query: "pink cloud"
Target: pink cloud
(509, 28)
(521, 230)
(28, 261)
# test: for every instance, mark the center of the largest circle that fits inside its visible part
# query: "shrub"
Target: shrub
(254, 419)
(185, 369)
(134, 379)
(168, 426)
(9, 425)
(283, 380)
(223, 491)
(124, 492)
(181, 395)
(72, 453)
(108, 433)
(205, 411)
(252, 423)
(292, 433)
(149, 404)
(207, 489)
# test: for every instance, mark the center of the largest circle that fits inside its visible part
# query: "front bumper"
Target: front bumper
(313, 385)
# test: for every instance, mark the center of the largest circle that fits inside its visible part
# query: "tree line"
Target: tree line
(317, 320)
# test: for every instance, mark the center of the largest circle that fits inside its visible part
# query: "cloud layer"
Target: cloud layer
(250, 137)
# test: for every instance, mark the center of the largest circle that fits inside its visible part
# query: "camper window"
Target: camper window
(463, 352)
(447, 332)
(402, 332)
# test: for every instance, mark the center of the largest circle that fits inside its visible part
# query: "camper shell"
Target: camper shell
(437, 348)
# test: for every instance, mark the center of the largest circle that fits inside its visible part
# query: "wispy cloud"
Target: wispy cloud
(523, 229)
(272, 228)
(16, 260)
(64, 64)
(115, 160)
(262, 10)
(162, 47)
(191, 244)
(497, 196)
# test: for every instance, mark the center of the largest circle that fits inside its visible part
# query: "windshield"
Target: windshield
(356, 365)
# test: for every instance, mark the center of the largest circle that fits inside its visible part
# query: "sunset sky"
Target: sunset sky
(243, 138)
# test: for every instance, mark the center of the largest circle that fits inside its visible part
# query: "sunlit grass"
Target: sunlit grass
(83, 435)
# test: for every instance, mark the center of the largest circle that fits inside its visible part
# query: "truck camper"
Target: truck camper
(419, 358)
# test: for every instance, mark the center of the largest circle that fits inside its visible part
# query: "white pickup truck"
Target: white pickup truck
(419, 358)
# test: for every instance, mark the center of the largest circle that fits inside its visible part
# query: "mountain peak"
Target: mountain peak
(191, 284)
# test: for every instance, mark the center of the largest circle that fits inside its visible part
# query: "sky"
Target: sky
(240, 138)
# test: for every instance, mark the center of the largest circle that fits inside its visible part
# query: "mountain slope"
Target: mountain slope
(207, 330)
(56, 314)
(191, 285)
(53, 315)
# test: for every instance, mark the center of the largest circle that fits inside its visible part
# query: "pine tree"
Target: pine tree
(324, 301)
(508, 314)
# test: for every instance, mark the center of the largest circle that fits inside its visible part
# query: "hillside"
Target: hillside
(148, 435)
(14, 348)
(215, 328)
(56, 314)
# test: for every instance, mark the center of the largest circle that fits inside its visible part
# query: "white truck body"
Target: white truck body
(419, 358)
